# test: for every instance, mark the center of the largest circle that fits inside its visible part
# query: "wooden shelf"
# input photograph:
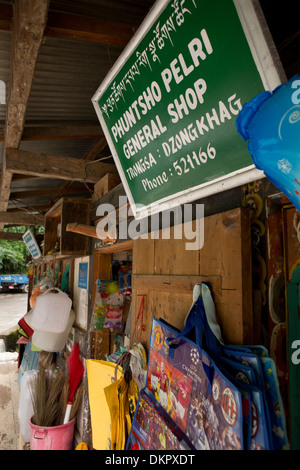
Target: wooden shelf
(58, 242)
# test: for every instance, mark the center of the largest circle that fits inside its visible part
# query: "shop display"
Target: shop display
(101, 374)
(24, 325)
(202, 394)
(52, 342)
(113, 395)
(187, 394)
(124, 279)
(138, 364)
(52, 437)
(25, 410)
(39, 289)
(108, 305)
(30, 361)
(51, 391)
(75, 373)
(270, 122)
(51, 311)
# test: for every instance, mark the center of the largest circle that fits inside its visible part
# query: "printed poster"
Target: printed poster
(204, 414)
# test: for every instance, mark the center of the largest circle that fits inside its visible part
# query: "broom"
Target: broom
(76, 370)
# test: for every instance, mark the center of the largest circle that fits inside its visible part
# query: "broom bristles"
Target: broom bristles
(46, 390)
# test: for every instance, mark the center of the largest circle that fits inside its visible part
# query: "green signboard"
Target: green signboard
(169, 105)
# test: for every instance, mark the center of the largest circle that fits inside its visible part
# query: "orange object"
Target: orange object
(34, 296)
(82, 446)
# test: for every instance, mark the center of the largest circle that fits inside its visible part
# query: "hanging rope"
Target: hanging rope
(139, 316)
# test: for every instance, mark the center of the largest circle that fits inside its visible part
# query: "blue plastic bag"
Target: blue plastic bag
(270, 122)
(262, 383)
(188, 403)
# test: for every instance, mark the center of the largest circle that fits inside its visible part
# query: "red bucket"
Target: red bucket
(52, 438)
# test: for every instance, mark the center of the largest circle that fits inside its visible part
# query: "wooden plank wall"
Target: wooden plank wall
(164, 272)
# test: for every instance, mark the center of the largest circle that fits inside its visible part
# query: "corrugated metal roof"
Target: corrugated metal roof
(5, 46)
(76, 148)
(67, 74)
(123, 11)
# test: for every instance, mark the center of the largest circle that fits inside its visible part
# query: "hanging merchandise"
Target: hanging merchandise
(124, 276)
(100, 375)
(65, 279)
(24, 324)
(30, 361)
(25, 410)
(271, 124)
(53, 342)
(113, 395)
(202, 394)
(138, 364)
(39, 289)
(188, 403)
(108, 305)
(117, 401)
(46, 340)
(256, 375)
(51, 311)
(75, 374)
(30, 273)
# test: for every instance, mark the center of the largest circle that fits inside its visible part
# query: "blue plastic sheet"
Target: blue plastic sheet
(270, 122)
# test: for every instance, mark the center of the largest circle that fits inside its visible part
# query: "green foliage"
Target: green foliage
(13, 254)
(12, 259)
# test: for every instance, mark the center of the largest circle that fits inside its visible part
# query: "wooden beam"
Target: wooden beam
(88, 29)
(11, 236)
(17, 177)
(63, 132)
(20, 218)
(42, 208)
(29, 21)
(78, 27)
(127, 245)
(48, 166)
(57, 192)
(94, 152)
(87, 230)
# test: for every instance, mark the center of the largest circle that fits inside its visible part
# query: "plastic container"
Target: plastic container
(51, 342)
(51, 311)
(25, 410)
(52, 438)
(270, 122)
(23, 323)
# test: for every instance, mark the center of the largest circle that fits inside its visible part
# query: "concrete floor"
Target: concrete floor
(9, 402)
(13, 306)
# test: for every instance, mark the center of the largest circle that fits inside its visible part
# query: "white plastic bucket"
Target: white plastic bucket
(51, 311)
